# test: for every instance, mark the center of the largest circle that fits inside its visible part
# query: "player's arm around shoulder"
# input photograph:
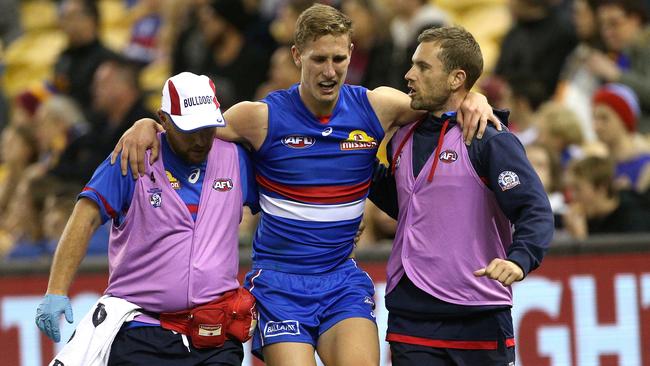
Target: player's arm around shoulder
(246, 123)
(392, 107)
(133, 144)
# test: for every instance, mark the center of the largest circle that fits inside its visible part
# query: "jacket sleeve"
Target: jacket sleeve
(520, 195)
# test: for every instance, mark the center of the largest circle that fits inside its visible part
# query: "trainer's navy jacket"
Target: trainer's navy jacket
(500, 162)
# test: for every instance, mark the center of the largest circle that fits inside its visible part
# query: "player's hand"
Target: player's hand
(49, 312)
(357, 236)
(133, 145)
(474, 113)
(501, 270)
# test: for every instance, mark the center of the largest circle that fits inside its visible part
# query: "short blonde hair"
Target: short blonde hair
(561, 121)
(320, 20)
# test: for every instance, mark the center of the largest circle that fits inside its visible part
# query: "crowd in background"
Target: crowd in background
(575, 75)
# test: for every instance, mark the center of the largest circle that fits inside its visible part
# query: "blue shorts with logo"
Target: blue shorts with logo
(300, 307)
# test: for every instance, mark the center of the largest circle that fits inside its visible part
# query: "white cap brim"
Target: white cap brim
(192, 123)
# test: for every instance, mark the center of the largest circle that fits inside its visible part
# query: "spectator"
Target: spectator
(526, 96)
(22, 219)
(547, 166)
(117, 101)
(75, 67)
(18, 150)
(616, 113)
(597, 206)
(26, 104)
(372, 44)
(623, 25)
(58, 122)
(537, 45)
(411, 17)
(225, 54)
(283, 26)
(10, 28)
(282, 74)
(577, 83)
(560, 131)
(145, 32)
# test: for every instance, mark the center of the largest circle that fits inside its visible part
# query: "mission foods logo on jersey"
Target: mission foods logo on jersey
(358, 140)
(298, 141)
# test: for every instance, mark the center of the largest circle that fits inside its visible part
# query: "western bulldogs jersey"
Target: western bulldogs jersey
(313, 174)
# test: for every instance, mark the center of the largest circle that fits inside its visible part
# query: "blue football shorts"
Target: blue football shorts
(300, 307)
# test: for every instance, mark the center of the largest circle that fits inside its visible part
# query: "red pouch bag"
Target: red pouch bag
(243, 316)
(205, 324)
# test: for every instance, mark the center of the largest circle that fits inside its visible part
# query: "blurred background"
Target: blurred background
(575, 74)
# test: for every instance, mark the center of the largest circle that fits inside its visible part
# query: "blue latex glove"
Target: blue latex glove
(49, 312)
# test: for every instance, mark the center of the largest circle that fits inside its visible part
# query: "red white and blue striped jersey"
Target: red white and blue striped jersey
(313, 174)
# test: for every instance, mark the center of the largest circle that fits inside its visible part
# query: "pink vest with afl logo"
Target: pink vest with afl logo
(447, 228)
(161, 259)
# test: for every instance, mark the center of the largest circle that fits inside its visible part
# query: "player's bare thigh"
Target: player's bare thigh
(351, 342)
(289, 353)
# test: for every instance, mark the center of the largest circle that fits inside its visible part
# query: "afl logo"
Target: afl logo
(222, 184)
(298, 142)
(448, 156)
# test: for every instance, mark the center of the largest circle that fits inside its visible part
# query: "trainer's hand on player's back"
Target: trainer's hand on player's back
(502, 270)
(49, 313)
(133, 145)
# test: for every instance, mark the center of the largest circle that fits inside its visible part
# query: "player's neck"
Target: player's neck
(452, 104)
(317, 108)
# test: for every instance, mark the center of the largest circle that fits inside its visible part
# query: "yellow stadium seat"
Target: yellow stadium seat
(38, 15)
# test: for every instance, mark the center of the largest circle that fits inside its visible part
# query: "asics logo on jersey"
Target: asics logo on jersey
(222, 184)
(298, 142)
(194, 177)
(328, 131)
(285, 327)
(448, 156)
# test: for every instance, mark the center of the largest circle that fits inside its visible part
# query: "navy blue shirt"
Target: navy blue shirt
(527, 209)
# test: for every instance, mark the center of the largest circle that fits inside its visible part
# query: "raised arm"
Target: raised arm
(71, 250)
(246, 123)
(393, 108)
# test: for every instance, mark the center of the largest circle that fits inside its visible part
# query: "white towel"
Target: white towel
(91, 342)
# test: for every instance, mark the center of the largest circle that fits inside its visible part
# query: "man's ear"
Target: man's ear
(457, 79)
(295, 53)
(162, 116)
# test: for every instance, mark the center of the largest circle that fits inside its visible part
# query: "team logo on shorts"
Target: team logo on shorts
(222, 184)
(448, 156)
(368, 300)
(298, 141)
(508, 180)
(285, 327)
(358, 140)
(156, 197)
